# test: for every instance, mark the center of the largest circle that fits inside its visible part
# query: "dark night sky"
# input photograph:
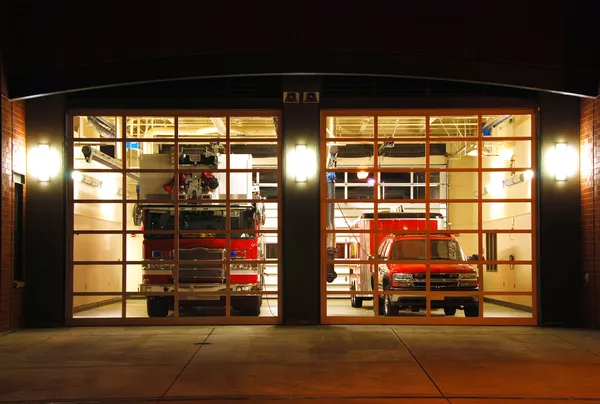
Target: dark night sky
(57, 36)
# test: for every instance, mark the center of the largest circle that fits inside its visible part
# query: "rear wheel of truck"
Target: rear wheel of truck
(247, 305)
(472, 311)
(355, 301)
(449, 311)
(157, 306)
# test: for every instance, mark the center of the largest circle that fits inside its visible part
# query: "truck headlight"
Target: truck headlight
(402, 277)
(468, 277)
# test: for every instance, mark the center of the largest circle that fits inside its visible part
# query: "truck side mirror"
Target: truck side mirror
(473, 257)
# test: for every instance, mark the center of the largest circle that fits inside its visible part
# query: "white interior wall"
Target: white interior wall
(510, 215)
(101, 247)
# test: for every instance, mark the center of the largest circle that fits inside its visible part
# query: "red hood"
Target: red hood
(433, 268)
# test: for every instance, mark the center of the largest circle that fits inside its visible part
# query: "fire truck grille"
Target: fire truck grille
(205, 272)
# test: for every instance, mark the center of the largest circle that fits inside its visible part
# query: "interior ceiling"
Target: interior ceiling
(406, 126)
(390, 127)
(246, 127)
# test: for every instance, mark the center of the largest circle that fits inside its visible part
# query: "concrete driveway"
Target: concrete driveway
(317, 365)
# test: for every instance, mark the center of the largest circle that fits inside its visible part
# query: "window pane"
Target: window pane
(349, 126)
(507, 306)
(108, 127)
(98, 247)
(507, 215)
(506, 125)
(507, 185)
(399, 154)
(201, 127)
(453, 126)
(97, 306)
(97, 155)
(507, 154)
(262, 127)
(353, 154)
(150, 127)
(401, 126)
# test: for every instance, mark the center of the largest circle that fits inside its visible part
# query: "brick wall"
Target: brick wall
(13, 160)
(590, 204)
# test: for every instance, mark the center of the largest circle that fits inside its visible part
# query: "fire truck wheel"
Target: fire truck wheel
(248, 305)
(449, 311)
(157, 307)
(355, 301)
(472, 311)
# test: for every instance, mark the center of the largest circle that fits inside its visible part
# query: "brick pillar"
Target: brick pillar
(13, 161)
(590, 208)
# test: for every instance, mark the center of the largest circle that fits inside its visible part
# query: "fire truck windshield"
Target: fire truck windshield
(205, 222)
(414, 249)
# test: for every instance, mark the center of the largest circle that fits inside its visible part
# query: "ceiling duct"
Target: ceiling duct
(104, 127)
(488, 126)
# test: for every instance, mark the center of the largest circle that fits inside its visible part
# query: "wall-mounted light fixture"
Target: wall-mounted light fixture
(43, 162)
(561, 150)
(497, 186)
(86, 179)
(107, 189)
(561, 161)
(301, 163)
(515, 179)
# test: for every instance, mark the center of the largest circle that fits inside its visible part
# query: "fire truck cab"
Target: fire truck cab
(203, 248)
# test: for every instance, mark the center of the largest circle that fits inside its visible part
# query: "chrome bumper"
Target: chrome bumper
(196, 287)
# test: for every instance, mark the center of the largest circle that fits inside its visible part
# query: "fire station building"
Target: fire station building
(315, 172)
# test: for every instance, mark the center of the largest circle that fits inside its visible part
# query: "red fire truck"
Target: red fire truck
(203, 240)
(396, 246)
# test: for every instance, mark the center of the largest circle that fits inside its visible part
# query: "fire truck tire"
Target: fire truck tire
(449, 311)
(472, 311)
(390, 309)
(157, 307)
(355, 301)
(248, 305)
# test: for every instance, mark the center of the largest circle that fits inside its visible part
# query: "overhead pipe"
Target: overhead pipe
(488, 126)
(104, 127)
(330, 222)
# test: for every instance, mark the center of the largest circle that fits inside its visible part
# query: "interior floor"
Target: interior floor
(136, 308)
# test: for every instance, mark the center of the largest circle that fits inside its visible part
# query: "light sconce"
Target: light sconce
(301, 163)
(562, 161)
(44, 162)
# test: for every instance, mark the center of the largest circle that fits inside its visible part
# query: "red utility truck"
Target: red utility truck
(397, 245)
(203, 240)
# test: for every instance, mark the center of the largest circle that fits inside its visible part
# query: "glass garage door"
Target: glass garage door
(174, 218)
(428, 217)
